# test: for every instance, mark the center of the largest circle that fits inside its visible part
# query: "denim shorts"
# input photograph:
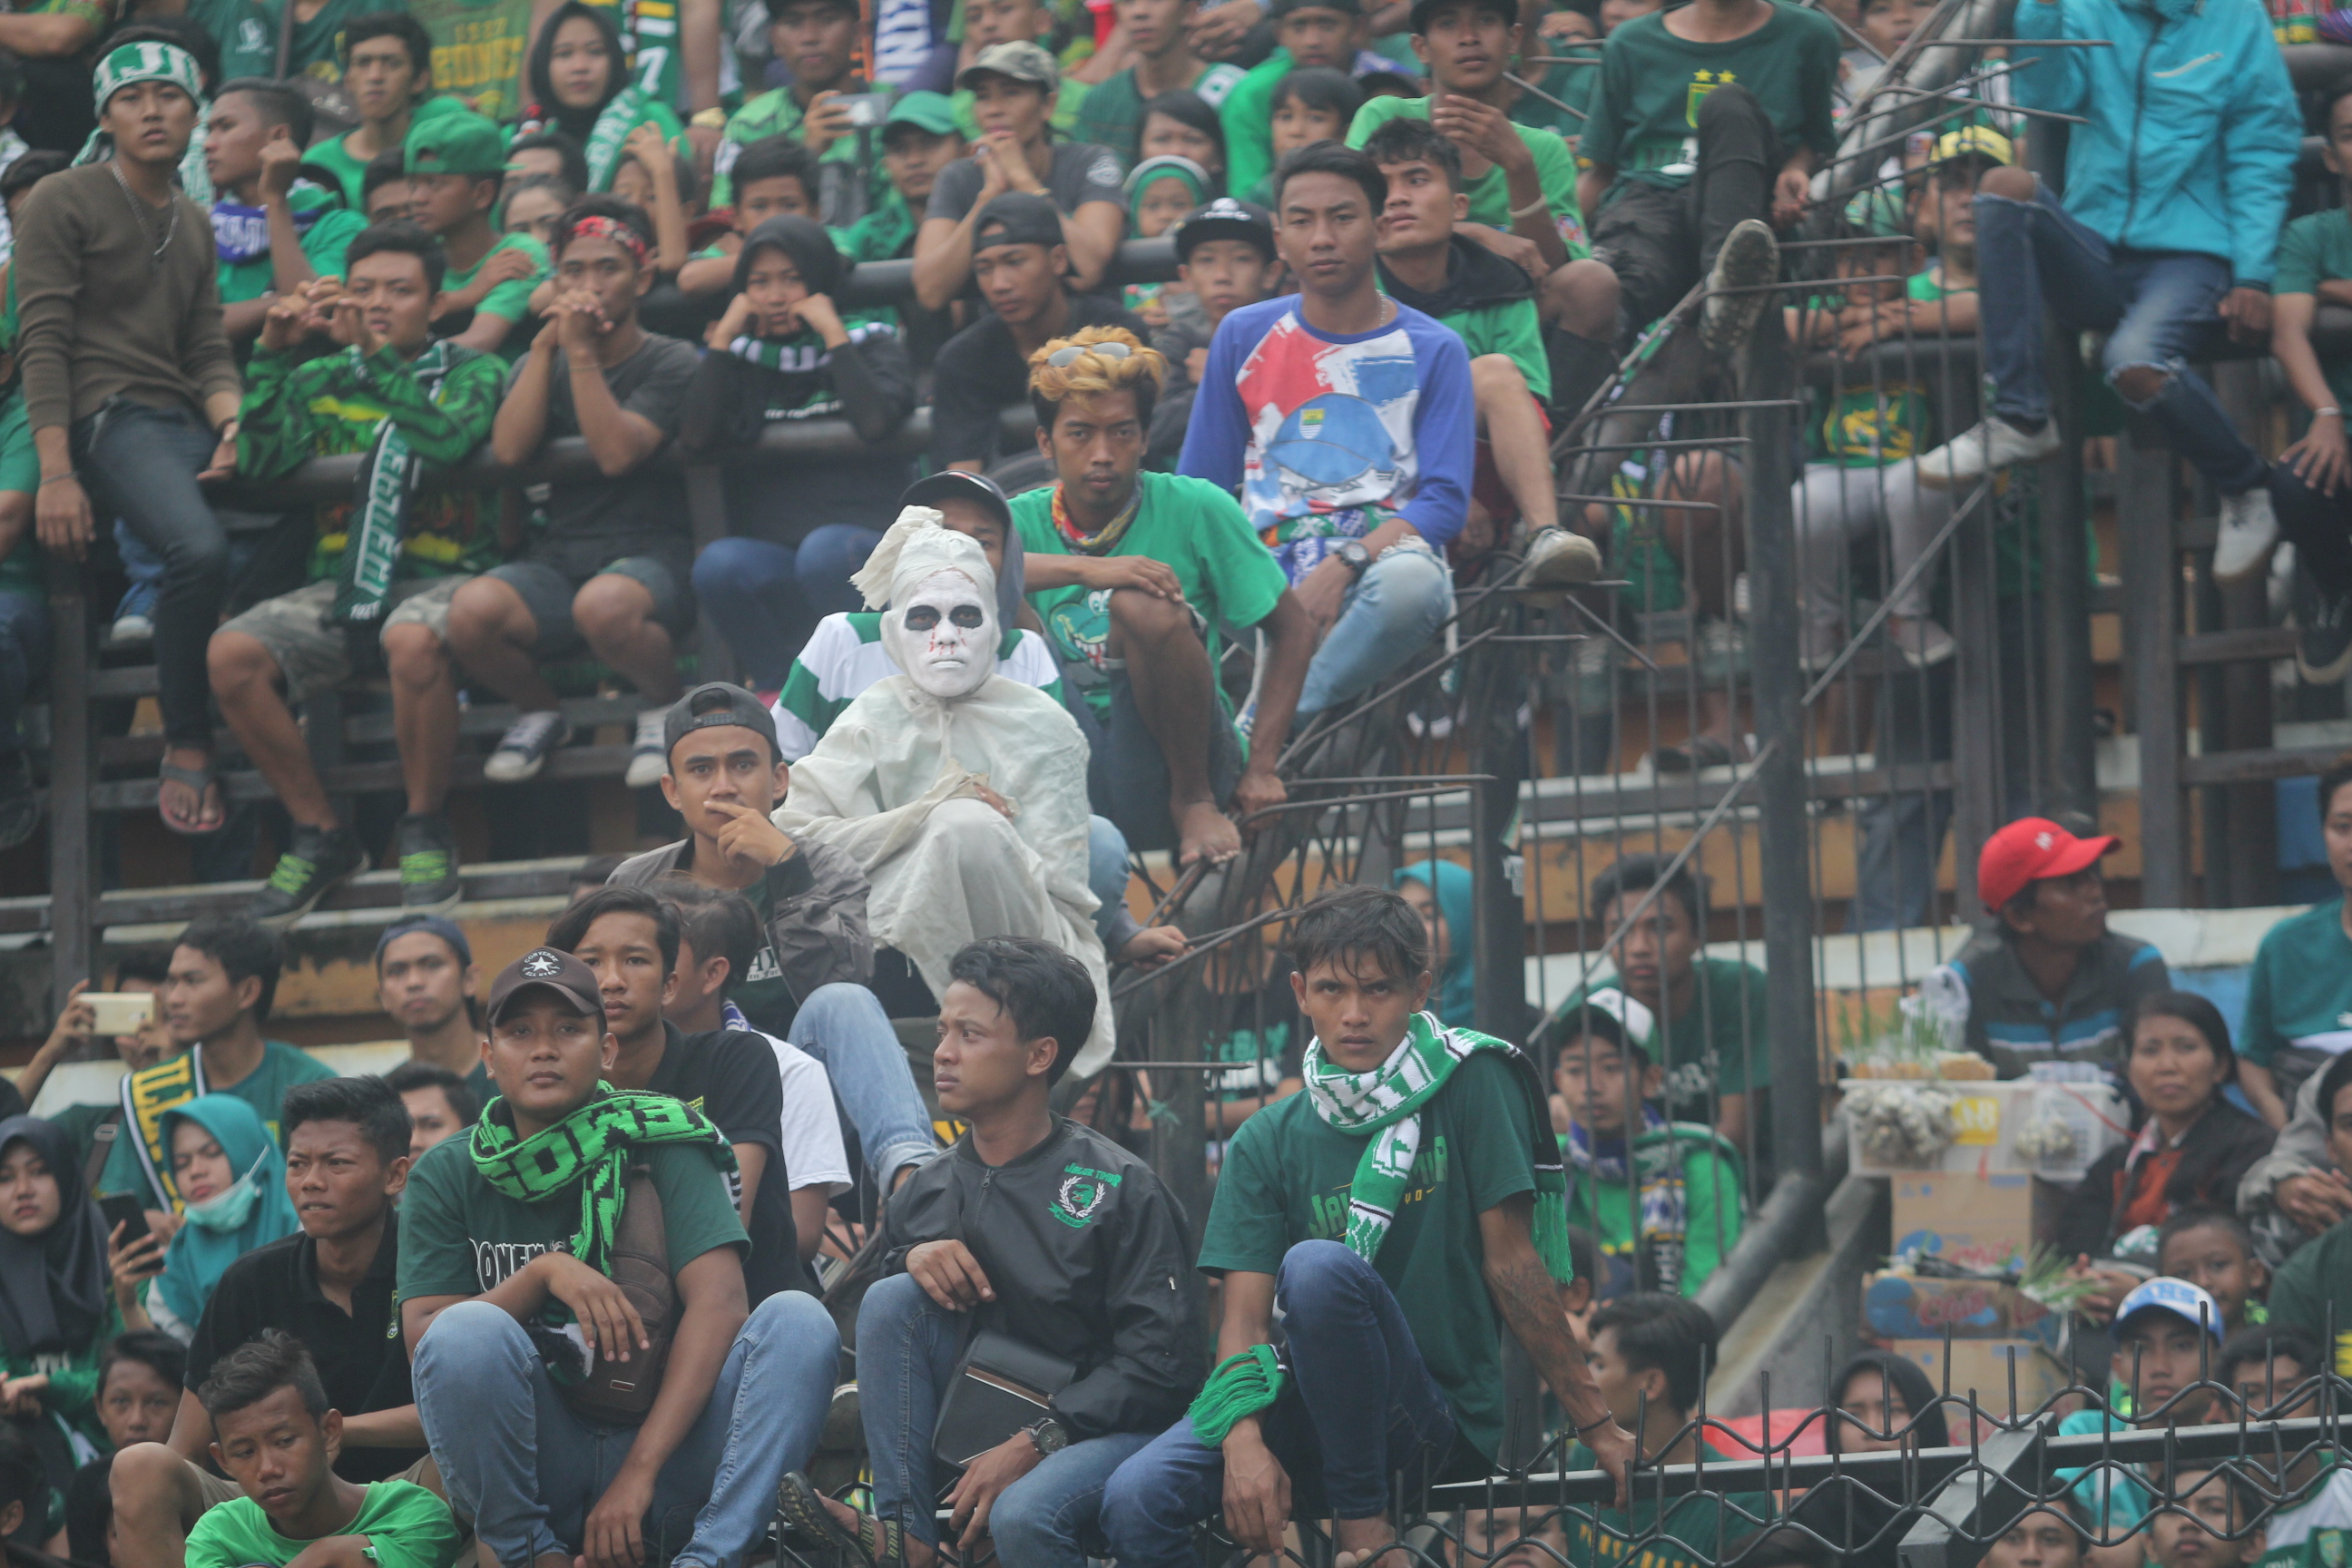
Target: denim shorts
(547, 593)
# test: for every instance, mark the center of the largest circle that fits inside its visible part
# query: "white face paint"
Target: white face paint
(943, 636)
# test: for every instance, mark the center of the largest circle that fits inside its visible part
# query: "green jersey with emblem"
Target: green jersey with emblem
(2316, 1534)
(1643, 117)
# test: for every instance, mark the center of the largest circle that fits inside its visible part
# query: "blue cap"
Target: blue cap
(446, 928)
(2178, 1296)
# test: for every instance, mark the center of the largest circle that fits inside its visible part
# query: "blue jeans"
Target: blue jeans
(1107, 873)
(24, 654)
(1385, 622)
(908, 1346)
(2155, 307)
(529, 1471)
(140, 464)
(765, 598)
(1358, 1407)
(145, 571)
(845, 1029)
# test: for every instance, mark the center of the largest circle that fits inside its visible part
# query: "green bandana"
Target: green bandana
(1383, 1107)
(589, 1147)
(610, 134)
(134, 63)
(386, 488)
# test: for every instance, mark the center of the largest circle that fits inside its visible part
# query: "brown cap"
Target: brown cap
(570, 980)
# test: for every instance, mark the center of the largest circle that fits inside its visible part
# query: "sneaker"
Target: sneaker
(1736, 287)
(648, 759)
(1977, 451)
(523, 749)
(2248, 529)
(20, 800)
(2322, 632)
(313, 864)
(427, 853)
(1557, 558)
(1922, 642)
(131, 631)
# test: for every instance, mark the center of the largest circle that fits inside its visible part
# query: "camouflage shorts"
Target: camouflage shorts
(312, 653)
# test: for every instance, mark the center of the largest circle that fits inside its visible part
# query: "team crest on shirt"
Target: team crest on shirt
(1701, 84)
(1081, 1194)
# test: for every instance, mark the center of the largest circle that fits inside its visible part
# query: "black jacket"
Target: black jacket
(2219, 1149)
(1088, 1255)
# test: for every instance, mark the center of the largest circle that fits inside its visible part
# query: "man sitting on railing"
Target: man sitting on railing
(387, 562)
(1401, 1213)
(2175, 186)
(609, 568)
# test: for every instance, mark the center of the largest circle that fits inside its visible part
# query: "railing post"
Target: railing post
(2146, 522)
(2071, 781)
(1499, 752)
(1978, 776)
(72, 896)
(1769, 374)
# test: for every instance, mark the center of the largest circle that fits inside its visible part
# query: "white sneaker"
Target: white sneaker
(648, 760)
(2249, 529)
(1921, 642)
(1976, 452)
(1558, 558)
(523, 749)
(1738, 286)
(131, 631)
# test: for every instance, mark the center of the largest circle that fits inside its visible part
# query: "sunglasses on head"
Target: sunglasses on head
(1062, 359)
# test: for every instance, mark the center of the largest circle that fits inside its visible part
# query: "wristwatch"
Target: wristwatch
(1355, 557)
(1050, 1437)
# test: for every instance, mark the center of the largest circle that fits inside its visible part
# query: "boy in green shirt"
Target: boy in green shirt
(1327, 33)
(275, 1436)
(1402, 1211)
(826, 108)
(774, 177)
(274, 234)
(388, 76)
(506, 1240)
(456, 163)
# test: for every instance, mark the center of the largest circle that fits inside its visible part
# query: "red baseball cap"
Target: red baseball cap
(2028, 850)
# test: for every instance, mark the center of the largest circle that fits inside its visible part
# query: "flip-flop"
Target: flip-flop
(875, 1542)
(197, 779)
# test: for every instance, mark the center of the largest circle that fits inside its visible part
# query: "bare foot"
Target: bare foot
(182, 807)
(1365, 1542)
(1205, 832)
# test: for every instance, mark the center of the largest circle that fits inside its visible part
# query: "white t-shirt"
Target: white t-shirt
(810, 1136)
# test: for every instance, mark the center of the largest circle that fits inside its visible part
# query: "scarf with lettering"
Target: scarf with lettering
(611, 134)
(241, 233)
(383, 495)
(590, 1150)
(1383, 1107)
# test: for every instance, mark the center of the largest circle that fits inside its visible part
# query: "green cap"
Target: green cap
(929, 112)
(460, 144)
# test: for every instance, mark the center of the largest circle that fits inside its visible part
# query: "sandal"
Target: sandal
(1698, 753)
(197, 779)
(876, 1542)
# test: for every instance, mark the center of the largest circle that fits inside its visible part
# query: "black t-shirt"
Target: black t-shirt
(981, 373)
(359, 1354)
(592, 522)
(1082, 172)
(729, 1076)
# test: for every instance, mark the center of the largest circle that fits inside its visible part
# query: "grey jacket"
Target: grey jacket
(2302, 1146)
(816, 911)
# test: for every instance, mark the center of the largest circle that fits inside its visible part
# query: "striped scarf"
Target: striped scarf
(384, 493)
(590, 1148)
(1383, 1107)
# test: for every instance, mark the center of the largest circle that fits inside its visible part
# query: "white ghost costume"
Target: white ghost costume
(893, 783)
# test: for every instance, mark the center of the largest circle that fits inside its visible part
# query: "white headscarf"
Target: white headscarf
(940, 624)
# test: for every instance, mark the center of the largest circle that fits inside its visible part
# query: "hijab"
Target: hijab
(1908, 1382)
(813, 255)
(575, 122)
(1858, 1518)
(200, 1254)
(1455, 999)
(53, 1286)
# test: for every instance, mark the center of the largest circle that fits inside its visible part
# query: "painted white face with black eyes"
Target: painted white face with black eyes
(944, 635)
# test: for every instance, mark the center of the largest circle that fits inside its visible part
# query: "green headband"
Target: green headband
(1169, 166)
(151, 62)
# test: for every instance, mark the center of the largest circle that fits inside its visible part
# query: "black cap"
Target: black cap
(561, 973)
(717, 704)
(1282, 8)
(1425, 11)
(1017, 218)
(954, 484)
(1225, 218)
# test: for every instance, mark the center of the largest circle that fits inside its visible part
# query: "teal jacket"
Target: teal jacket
(2193, 128)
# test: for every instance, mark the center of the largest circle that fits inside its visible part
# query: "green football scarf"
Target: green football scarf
(1383, 1107)
(611, 133)
(385, 491)
(591, 1147)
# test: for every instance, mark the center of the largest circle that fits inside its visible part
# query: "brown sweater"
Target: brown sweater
(99, 318)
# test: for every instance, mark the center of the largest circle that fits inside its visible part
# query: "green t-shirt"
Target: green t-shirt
(349, 172)
(2313, 250)
(511, 299)
(2316, 1534)
(406, 1526)
(458, 1237)
(1286, 1178)
(246, 32)
(1713, 1049)
(1572, 84)
(2319, 1273)
(1490, 193)
(2297, 994)
(777, 113)
(1112, 114)
(1689, 1201)
(1866, 424)
(171, 1083)
(330, 233)
(1248, 115)
(882, 235)
(1692, 1532)
(1643, 119)
(1191, 527)
(1512, 328)
(477, 51)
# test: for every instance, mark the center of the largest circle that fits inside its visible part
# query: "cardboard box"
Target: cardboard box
(1900, 1307)
(1987, 1223)
(1987, 1117)
(1984, 1366)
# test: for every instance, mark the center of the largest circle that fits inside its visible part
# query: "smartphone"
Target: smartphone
(121, 1012)
(125, 1210)
(866, 109)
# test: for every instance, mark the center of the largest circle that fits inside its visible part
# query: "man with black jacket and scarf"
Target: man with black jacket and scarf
(807, 983)
(1035, 1228)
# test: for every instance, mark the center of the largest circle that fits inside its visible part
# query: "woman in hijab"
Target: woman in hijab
(232, 1179)
(785, 350)
(1440, 892)
(1885, 1403)
(55, 1315)
(580, 85)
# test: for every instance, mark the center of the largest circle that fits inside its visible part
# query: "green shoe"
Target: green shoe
(312, 866)
(427, 853)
